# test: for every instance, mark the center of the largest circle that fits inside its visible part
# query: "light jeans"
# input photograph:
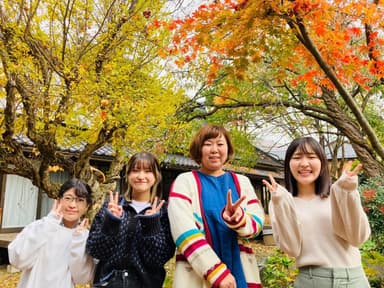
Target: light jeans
(321, 277)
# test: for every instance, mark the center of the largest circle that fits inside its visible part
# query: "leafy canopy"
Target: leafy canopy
(82, 72)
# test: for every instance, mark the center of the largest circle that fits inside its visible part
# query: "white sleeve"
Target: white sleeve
(24, 249)
(81, 264)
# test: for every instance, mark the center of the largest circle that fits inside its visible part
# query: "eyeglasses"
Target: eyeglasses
(81, 201)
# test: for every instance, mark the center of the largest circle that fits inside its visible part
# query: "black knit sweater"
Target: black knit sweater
(133, 242)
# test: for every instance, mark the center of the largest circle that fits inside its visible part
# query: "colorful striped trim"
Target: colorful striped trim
(246, 249)
(198, 218)
(195, 246)
(254, 285)
(180, 196)
(242, 222)
(220, 278)
(258, 221)
(202, 213)
(237, 183)
(216, 271)
(188, 237)
(181, 257)
(253, 201)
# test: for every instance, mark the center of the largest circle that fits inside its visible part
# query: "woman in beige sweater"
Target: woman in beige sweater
(320, 224)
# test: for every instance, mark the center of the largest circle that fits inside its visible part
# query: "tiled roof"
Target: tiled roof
(182, 162)
(105, 150)
(347, 150)
(175, 161)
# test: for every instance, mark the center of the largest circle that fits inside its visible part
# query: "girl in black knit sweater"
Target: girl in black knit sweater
(130, 235)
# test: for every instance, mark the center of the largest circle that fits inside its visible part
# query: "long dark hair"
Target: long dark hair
(323, 182)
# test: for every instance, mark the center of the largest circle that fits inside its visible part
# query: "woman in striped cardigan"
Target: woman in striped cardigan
(213, 215)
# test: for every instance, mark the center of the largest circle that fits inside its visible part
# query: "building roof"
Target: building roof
(346, 150)
(106, 150)
(176, 161)
(265, 165)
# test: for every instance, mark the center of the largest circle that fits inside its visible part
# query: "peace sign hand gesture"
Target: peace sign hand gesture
(84, 225)
(272, 187)
(233, 211)
(56, 209)
(155, 207)
(113, 205)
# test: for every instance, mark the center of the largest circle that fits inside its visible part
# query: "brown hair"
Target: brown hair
(149, 161)
(323, 182)
(205, 133)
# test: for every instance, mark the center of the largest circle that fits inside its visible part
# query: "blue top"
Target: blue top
(214, 198)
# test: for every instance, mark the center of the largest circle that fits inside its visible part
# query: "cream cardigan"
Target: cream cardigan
(197, 264)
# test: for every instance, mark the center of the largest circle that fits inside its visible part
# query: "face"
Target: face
(214, 154)
(72, 207)
(305, 168)
(141, 180)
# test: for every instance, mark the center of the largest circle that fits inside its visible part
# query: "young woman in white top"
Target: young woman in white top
(320, 224)
(51, 251)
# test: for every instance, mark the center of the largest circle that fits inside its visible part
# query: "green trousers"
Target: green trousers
(321, 277)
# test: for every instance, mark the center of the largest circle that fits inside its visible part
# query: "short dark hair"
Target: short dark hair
(82, 189)
(323, 182)
(147, 160)
(205, 133)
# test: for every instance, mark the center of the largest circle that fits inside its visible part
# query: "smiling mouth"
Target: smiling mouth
(304, 172)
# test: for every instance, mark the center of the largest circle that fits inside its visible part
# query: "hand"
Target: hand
(84, 225)
(233, 211)
(347, 169)
(113, 205)
(56, 209)
(272, 187)
(228, 282)
(155, 207)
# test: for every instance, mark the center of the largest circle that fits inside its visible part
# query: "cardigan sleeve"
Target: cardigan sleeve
(81, 264)
(349, 220)
(23, 250)
(104, 234)
(188, 233)
(156, 245)
(285, 225)
(252, 221)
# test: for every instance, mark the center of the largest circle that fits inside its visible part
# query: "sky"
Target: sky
(183, 8)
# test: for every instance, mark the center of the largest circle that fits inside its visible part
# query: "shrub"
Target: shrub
(278, 270)
(372, 197)
(373, 263)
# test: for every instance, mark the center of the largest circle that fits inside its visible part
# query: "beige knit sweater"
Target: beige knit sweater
(322, 232)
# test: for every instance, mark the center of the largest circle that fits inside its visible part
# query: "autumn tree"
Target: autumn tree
(84, 73)
(321, 58)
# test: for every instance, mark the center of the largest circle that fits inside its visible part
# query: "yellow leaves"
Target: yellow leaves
(218, 100)
(55, 168)
(35, 151)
